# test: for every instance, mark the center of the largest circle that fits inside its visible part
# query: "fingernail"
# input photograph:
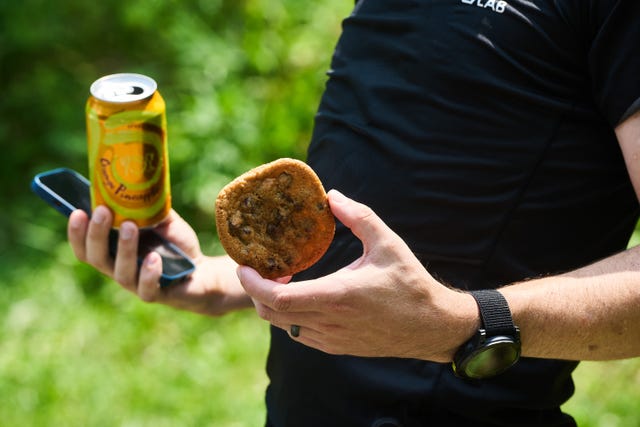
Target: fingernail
(337, 197)
(244, 272)
(74, 223)
(150, 260)
(99, 216)
(240, 272)
(126, 231)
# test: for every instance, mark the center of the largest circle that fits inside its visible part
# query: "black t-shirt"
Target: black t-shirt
(481, 131)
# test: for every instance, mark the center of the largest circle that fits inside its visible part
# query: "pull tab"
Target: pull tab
(135, 90)
(127, 90)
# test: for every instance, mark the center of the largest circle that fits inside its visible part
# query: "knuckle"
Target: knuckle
(121, 278)
(281, 301)
(330, 349)
(148, 297)
(80, 255)
(341, 302)
(90, 258)
(96, 262)
(96, 232)
(264, 312)
(367, 214)
(148, 291)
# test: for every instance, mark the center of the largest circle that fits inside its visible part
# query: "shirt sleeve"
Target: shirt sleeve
(614, 57)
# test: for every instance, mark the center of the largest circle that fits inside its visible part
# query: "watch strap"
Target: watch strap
(494, 312)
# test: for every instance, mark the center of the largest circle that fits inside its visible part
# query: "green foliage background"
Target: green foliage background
(241, 80)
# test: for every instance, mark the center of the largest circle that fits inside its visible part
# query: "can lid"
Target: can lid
(123, 87)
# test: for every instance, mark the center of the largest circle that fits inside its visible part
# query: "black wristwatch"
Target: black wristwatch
(495, 347)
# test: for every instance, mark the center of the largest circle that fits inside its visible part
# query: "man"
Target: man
(490, 144)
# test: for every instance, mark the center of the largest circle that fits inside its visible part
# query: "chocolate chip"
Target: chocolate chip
(275, 230)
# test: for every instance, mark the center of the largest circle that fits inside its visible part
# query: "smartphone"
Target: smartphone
(66, 190)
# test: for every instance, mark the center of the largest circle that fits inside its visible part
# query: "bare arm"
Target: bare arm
(590, 314)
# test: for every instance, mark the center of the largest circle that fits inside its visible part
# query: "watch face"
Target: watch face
(498, 354)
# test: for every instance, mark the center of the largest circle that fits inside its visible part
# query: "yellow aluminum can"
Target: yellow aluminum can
(127, 149)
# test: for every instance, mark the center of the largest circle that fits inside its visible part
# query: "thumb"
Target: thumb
(360, 219)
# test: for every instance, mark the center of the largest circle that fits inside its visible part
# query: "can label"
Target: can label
(128, 160)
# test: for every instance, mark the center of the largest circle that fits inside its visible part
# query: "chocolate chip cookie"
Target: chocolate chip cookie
(275, 218)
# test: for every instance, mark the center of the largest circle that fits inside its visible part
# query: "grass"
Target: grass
(607, 394)
(72, 358)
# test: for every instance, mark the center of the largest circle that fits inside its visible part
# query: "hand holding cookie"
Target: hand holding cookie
(275, 218)
(383, 304)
